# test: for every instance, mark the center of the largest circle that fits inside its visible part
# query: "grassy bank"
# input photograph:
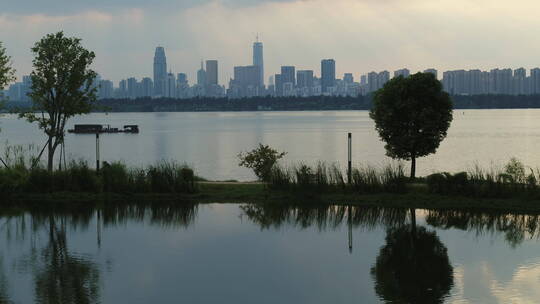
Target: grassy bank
(417, 196)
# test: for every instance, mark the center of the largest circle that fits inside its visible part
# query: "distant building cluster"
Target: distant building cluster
(249, 81)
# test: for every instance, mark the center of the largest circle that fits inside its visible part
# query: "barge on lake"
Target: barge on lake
(98, 129)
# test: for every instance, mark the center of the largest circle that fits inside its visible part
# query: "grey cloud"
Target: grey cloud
(66, 7)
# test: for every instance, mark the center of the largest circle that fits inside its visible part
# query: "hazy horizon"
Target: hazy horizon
(360, 35)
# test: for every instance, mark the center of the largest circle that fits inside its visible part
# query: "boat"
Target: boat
(99, 129)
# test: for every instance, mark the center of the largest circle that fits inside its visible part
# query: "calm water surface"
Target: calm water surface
(211, 141)
(158, 253)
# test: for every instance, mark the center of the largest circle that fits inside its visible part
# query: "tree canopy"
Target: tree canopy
(7, 73)
(412, 115)
(62, 86)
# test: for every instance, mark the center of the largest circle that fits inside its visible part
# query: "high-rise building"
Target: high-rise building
(182, 79)
(402, 72)
(246, 81)
(534, 86)
(278, 85)
(288, 75)
(328, 74)
(146, 87)
(258, 60)
(106, 89)
(170, 86)
(160, 71)
(132, 86)
(211, 76)
(432, 71)
(201, 76)
(304, 79)
(348, 78)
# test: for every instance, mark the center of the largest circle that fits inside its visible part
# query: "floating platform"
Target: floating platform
(99, 129)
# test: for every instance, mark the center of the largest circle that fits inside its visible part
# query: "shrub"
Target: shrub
(261, 160)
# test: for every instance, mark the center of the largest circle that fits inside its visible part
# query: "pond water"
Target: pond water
(228, 253)
(210, 141)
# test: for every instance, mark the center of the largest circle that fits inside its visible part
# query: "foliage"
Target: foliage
(261, 160)
(412, 115)
(20, 177)
(62, 86)
(7, 73)
(330, 178)
(511, 181)
(515, 171)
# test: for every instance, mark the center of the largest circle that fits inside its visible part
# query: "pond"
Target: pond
(240, 253)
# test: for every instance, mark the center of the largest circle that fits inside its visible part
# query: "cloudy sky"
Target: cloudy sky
(361, 35)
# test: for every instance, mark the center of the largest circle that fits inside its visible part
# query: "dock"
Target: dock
(100, 129)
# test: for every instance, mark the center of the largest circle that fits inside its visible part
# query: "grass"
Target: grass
(78, 177)
(508, 188)
(324, 178)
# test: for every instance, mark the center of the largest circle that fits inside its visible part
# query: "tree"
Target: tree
(412, 115)
(261, 160)
(62, 86)
(7, 73)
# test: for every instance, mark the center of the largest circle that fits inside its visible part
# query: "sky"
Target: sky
(361, 35)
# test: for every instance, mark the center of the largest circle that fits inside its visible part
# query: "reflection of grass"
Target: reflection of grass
(416, 197)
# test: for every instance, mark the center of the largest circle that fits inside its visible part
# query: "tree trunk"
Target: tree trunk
(413, 222)
(50, 155)
(413, 167)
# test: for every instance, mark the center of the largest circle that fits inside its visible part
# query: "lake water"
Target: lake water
(210, 141)
(215, 253)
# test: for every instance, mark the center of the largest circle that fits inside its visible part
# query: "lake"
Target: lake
(229, 253)
(210, 141)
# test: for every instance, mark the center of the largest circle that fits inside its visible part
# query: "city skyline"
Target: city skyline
(360, 35)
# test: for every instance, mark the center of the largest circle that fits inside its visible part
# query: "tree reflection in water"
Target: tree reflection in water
(413, 266)
(61, 275)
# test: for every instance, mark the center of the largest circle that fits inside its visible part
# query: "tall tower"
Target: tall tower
(160, 71)
(258, 59)
(211, 77)
(201, 76)
(328, 74)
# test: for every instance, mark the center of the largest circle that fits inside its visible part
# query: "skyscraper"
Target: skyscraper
(211, 72)
(258, 60)
(328, 74)
(201, 76)
(288, 75)
(211, 77)
(160, 71)
(304, 79)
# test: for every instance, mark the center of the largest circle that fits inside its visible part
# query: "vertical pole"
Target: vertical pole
(349, 220)
(97, 152)
(349, 165)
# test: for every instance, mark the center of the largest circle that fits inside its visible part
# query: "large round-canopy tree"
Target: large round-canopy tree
(412, 115)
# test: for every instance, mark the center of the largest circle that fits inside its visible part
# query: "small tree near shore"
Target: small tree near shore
(7, 73)
(62, 86)
(261, 160)
(412, 115)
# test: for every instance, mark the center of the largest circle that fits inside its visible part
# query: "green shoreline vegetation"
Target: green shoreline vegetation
(504, 189)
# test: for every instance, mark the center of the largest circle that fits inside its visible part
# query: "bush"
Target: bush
(261, 160)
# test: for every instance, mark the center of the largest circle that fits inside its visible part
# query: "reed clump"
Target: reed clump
(325, 177)
(21, 174)
(513, 180)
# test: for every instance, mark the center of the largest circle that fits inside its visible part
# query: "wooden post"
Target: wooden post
(349, 164)
(97, 151)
